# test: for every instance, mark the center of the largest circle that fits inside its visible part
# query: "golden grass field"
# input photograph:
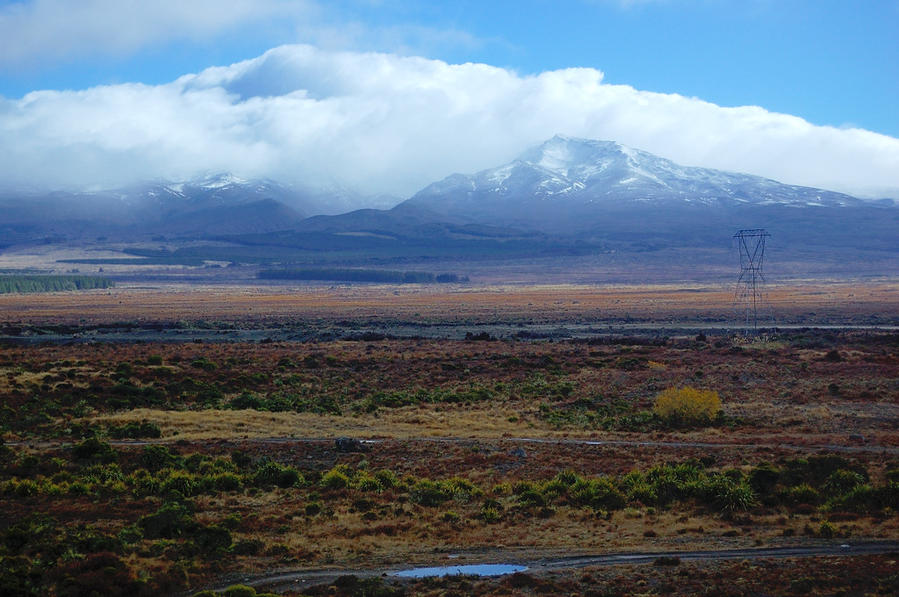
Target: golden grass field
(796, 302)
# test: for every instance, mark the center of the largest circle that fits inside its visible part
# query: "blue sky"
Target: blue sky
(829, 63)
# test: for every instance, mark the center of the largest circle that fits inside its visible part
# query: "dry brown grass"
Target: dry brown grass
(571, 303)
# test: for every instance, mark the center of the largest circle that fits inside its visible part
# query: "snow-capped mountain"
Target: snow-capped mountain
(213, 204)
(565, 172)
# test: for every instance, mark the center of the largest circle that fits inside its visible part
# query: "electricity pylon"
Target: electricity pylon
(750, 297)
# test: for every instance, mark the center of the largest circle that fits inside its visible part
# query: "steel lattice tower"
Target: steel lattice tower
(749, 297)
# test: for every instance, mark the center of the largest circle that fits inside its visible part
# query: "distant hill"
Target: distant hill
(212, 205)
(566, 197)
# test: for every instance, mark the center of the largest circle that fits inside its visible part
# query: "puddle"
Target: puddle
(472, 569)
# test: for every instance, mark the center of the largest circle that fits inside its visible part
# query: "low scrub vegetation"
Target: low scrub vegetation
(50, 283)
(171, 514)
(361, 275)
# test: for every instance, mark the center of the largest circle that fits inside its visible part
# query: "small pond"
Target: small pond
(471, 569)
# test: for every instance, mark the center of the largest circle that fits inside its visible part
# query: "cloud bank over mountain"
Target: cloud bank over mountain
(382, 123)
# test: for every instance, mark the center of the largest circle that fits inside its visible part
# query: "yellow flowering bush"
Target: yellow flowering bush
(687, 405)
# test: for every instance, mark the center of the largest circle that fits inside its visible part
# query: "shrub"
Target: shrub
(239, 591)
(826, 530)
(461, 490)
(212, 538)
(429, 493)
(134, 430)
(94, 449)
(491, 512)
(157, 457)
(843, 481)
(313, 508)
(272, 473)
(335, 479)
(204, 364)
(599, 494)
(97, 574)
(729, 496)
(170, 521)
(801, 494)
(687, 406)
(180, 482)
(764, 478)
(387, 479)
(248, 547)
(226, 482)
(130, 535)
(367, 483)
(246, 401)
(866, 498)
(531, 498)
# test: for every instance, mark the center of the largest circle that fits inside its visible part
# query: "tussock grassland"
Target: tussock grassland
(798, 303)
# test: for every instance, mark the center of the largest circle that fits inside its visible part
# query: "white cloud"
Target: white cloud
(53, 31)
(384, 123)
(39, 33)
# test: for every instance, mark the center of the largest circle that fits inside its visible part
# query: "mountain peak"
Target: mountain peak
(567, 156)
(593, 173)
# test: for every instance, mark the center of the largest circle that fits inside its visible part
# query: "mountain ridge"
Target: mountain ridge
(592, 171)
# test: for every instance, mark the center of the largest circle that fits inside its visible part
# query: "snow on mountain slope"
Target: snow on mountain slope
(584, 171)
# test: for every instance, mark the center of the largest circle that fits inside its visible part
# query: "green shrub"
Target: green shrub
(180, 482)
(131, 534)
(246, 401)
(642, 492)
(866, 498)
(313, 508)
(599, 494)
(133, 430)
(204, 364)
(248, 547)
(94, 449)
(763, 478)
(212, 538)
(729, 496)
(226, 482)
(801, 494)
(826, 530)
(842, 481)
(461, 490)
(367, 483)
(271, 473)
(491, 514)
(171, 520)
(239, 591)
(335, 479)
(531, 498)
(567, 477)
(428, 493)
(158, 457)
(96, 574)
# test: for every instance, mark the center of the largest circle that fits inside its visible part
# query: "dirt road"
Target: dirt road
(536, 563)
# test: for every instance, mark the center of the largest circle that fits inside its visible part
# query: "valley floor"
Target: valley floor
(148, 467)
